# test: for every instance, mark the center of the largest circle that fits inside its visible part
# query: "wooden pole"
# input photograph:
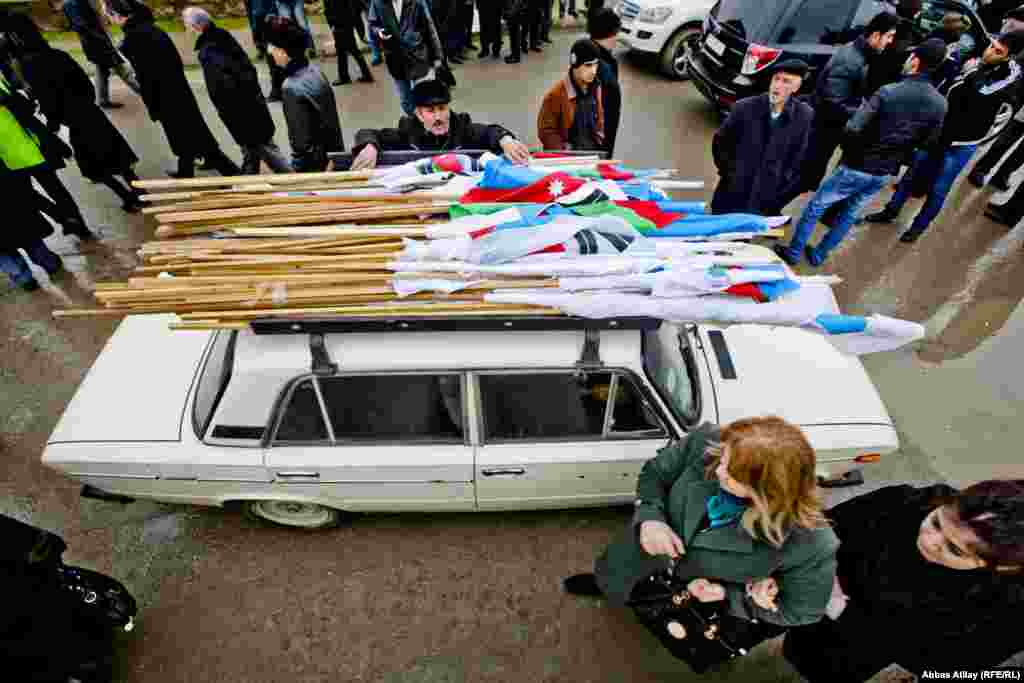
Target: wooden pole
(279, 179)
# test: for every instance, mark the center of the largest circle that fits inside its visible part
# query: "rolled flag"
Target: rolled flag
(859, 334)
(408, 286)
(761, 283)
(543, 265)
(652, 220)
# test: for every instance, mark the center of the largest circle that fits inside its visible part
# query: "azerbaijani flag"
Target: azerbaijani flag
(664, 219)
(506, 182)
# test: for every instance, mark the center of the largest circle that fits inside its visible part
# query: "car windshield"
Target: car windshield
(669, 370)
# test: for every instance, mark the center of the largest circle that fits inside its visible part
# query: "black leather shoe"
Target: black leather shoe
(1000, 215)
(581, 584)
(782, 251)
(909, 237)
(976, 179)
(547, 40)
(366, 78)
(512, 59)
(110, 105)
(30, 286)
(883, 216)
(132, 206)
(341, 81)
(81, 232)
(274, 97)
(1001, 184)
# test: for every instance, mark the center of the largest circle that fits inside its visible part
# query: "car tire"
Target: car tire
(294, 514)
(670, 60)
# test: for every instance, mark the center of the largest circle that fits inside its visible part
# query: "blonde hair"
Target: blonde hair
(773, 459)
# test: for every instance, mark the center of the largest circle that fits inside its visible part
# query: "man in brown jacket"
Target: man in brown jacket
(571, 115)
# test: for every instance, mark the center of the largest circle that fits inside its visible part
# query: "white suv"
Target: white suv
(302, 421)
(663, 27)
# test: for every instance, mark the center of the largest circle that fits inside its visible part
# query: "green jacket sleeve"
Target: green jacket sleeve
(805, 584)
(660, 472)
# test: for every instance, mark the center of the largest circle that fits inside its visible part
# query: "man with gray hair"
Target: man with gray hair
(234, 88)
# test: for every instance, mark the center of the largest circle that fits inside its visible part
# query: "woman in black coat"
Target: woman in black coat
(928, 578)
(165, 90)
(67, 98)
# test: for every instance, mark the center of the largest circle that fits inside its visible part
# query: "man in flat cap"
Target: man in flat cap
(761, 145)
(885, 130)
(974, 100)
(434, 127)
(572, 112)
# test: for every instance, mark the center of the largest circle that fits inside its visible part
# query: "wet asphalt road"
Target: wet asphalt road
(453, 598)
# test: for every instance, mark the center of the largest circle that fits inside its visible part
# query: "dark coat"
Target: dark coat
(96, 43)
(67, 98)
(165, 90)
(673, 488)
(311, 114)
(24, 223)
(760, 167)
(841, 86)
(903, 608)
(895, 121)
(611, 97)
(414, 45)
(410, 134)
(234, 87)
(342, 14)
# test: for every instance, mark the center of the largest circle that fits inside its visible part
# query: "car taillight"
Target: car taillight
(758, 57)
(865, 458)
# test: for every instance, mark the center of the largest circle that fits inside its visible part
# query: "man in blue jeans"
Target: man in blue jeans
(974, 100)
(883, 132)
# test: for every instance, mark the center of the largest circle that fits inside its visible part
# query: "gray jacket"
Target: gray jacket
(898, 119)
(312, 117)
(839, 90)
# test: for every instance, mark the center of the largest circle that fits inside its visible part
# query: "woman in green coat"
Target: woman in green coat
(728, 512)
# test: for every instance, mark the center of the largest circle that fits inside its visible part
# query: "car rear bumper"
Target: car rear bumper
(719, 94)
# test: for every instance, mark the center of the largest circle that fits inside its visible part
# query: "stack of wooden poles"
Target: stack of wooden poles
(304, 256)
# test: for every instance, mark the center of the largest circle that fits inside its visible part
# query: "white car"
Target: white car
(662, 27)
(302, 421)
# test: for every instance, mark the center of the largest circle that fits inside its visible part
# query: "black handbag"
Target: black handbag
(702, 634)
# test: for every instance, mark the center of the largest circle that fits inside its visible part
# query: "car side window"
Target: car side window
(817, 21)
(425, 407)
(303, 419)
(213, 381)
(563, 405)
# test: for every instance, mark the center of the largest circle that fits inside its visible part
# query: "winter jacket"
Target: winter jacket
(414, 46)
(165, 89)
(902, 608)
(975, 98)
(558, 111)
(19, 149)
(96, 43)
(898, 119)
(342, 14)
(673, 488)
(234, 87)
(759, 164)
(840, 87)
(67, 98)
(312, 117)
(411, 135)
(611, 97)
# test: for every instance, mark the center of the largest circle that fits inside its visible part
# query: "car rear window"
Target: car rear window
(826, 22)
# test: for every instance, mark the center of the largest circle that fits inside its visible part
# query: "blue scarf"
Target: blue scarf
(724, 508)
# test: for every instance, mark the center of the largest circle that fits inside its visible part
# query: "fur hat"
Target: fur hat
(426, 93)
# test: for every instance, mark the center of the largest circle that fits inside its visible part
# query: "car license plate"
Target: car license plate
(715, 45)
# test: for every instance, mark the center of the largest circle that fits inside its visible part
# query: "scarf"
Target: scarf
(725, 508)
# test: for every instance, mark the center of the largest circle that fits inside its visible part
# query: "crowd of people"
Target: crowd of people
(929, 112)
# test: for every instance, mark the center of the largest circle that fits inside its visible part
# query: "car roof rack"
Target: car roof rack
(482, 323)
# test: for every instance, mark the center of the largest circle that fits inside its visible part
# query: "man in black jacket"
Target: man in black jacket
(898, 119)
(165, 89)
(98, 49)
(760, 146)
(344, 16)
(234, 88)
(409, 39)
(434, 127)
(603, 27)
(974, 100)
(839, 91)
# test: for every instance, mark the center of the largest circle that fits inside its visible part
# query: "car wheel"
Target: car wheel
(294, 513)
(672, 58)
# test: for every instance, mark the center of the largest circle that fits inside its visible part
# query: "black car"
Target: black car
(741, 39)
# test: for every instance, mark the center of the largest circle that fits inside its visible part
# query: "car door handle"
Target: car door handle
(298, 475)
(514, 471)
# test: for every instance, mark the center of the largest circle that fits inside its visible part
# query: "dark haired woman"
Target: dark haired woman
(928, 578)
